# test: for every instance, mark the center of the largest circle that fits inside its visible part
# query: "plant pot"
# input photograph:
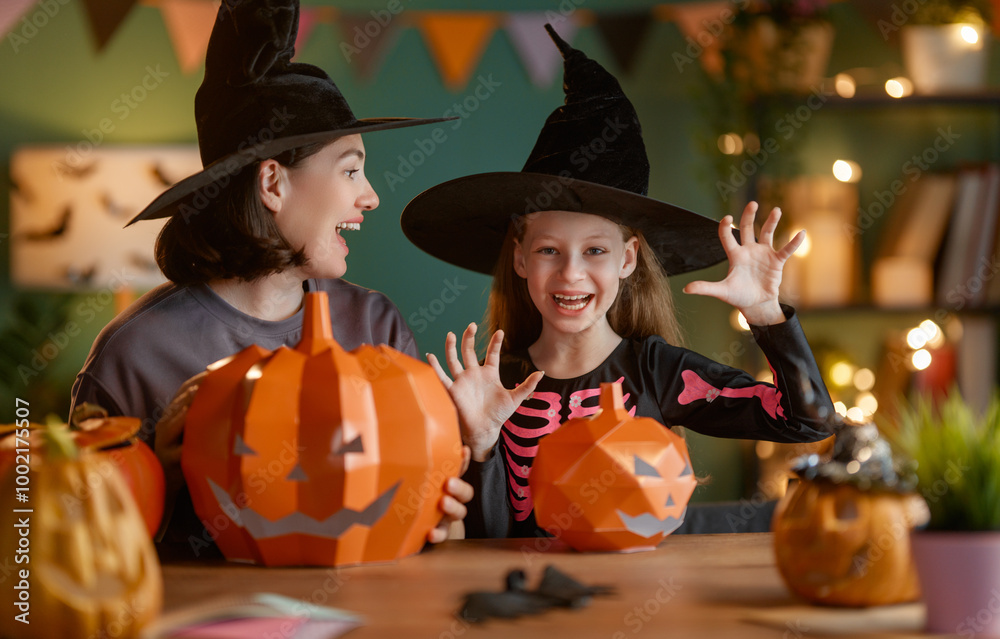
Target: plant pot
(960, 579)
(783, 59)
(939, 60)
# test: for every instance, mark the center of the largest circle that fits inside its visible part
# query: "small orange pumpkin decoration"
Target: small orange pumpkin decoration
(610, 481)
(842, 533)
(91, 569)
(317, 456)
(116, 441)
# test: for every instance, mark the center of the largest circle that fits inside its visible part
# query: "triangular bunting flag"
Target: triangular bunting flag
(366, 42)
(624, 33)
(457, 42)
(308, 17)
(540, 57)
(11, 12)
(189, 24)
(702, 23)
(105, 17)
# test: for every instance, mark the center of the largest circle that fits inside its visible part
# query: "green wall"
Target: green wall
(55, 87)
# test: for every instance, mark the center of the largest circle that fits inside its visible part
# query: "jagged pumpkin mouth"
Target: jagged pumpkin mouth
(332, 527)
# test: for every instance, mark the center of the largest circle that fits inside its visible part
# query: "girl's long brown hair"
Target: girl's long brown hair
(644, 305)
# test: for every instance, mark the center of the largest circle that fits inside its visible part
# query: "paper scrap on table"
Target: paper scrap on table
(256, 616)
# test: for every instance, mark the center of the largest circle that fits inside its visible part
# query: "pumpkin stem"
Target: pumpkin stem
(84, 412)
(611, 397)
(58, 442)
(317, 331)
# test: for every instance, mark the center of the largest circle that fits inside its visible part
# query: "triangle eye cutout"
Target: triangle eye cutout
(240, 447)
(643, 469)
(670, 501)
(687, 470)
(297, 474)
(353, 446)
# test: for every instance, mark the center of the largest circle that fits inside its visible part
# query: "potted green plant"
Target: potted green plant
(945, 45)
(955, 452)
(780, 46)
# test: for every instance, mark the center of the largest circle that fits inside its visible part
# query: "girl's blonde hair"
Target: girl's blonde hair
(644, 305)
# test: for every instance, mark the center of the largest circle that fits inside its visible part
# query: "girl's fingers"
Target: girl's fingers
(522, 391)
(469, 346)
(451, 355)
(493, 350)
(438, 533)
(466, 459)
(792, 246)
(746, 223)
(767, 231)
(460, 490)
(433, 361)
(729, 243)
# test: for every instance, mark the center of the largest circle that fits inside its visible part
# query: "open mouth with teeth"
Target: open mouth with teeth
(571, 302)
(348, 226)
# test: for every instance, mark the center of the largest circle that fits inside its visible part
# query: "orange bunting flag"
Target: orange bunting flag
(457, 41)
(189, 24)
(702, 24)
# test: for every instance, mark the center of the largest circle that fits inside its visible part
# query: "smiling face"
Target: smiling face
(313, 203)
(573, 263)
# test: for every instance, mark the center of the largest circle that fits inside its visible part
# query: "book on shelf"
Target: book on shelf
(971, 235)
(903, 268)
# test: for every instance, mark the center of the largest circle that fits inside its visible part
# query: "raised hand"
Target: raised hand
(754, 268)
(482, 401)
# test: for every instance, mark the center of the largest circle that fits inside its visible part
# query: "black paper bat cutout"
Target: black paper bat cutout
(556, 589)
(160, 176)
(81, 277)
(76, 172)
(51, 233)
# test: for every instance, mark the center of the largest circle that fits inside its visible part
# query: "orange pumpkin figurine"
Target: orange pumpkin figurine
(317, 456)
(611, 481)
(115, 439)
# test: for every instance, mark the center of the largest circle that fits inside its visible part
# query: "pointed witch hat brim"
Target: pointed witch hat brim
(255, 103)
(589, 158)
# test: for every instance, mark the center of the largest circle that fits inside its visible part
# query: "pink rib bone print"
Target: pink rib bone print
(520, 496)
(576, 400)
(695, 388)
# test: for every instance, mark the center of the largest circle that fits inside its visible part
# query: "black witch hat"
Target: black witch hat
(588, 158)
(255, 103)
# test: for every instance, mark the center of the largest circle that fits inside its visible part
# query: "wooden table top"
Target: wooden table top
(690, 586)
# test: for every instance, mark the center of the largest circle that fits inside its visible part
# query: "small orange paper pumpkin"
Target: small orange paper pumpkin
(839, 545)
(115, 440)
(317, 456)
(611, 481)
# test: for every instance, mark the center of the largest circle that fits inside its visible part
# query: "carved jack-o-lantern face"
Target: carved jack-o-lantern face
(611, 481)
(317, 456)
(115, 441)
(835, 544)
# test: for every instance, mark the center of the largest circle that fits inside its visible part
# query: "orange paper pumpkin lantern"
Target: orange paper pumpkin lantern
(317, 456)
(611, 481)
(838, 545)
(116, 442)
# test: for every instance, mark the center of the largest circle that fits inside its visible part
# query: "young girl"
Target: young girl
(580, 293)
